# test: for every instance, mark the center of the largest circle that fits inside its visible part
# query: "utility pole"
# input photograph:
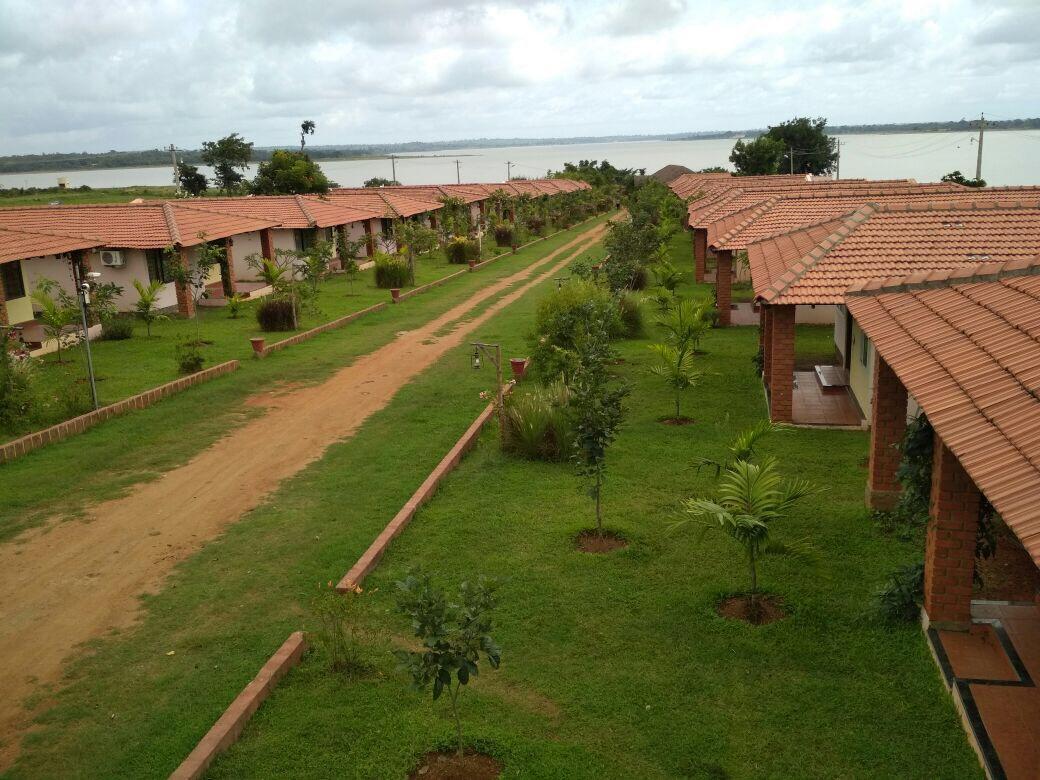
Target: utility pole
(509, 171)
(393, 168)
(837, 170)
(173, 157)
(458, 173)
(978, 160)
(790, 154)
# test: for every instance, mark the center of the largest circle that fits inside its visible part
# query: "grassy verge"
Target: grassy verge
(142, 445)
(90, 195)
(613, 666)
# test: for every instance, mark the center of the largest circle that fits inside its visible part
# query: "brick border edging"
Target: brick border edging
(326, 326)
(225, 732)
(63, 430)
(368, 560)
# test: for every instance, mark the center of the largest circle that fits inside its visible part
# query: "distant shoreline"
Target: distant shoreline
(73, 163)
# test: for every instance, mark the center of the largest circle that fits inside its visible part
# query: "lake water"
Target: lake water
(1010, 157)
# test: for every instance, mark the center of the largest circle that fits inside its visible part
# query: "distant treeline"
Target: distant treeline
(78, 161)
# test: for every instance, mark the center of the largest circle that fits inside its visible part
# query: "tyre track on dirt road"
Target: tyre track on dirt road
(70, 582)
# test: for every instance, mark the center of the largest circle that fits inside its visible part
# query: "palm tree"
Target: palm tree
(743, 447)
(685, 324)
(751, 497)
(675, 366)
(147, 300)
(306, 129)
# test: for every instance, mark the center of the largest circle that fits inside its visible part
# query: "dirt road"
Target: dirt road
(73, 581)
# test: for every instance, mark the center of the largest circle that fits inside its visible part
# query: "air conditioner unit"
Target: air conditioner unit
(112, 258)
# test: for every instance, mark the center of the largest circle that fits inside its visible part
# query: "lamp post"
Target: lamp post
(84, 301)
(492, 352)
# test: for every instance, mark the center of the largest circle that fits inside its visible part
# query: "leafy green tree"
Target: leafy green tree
(453, 637)
(146, 306)
(760, 157)
(229, 158)
(307, 127)
(58, 312)
(379, 181)
(750, 497)
(191, 180)
(712, 169)
(194, 277)
(289, 173)
(675, 365)
(814, 151)
(598, 410)
(414, 238)
(956, 177)
(314, 267)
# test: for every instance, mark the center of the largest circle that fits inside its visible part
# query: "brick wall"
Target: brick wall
(887, 425)
(724, 284)
(700, 253)
(55, 433)
(949, 559)
(781, 363)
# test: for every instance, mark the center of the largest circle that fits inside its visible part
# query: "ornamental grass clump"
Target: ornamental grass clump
(460, 250)
(391, 272)
(538, 425)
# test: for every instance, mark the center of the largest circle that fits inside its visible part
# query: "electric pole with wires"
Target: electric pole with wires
(509, 171)
(978, 159)
(458, 173)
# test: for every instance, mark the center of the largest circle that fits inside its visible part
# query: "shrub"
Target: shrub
(561, 316)
(17, 408)
(335, 634)
(504, 234)
(630, 311)
(537, 423)
(117, 329)
(391, 272)
(189, 357)
(899, 600)
(275, 314)
(461, 250)
(234, 305)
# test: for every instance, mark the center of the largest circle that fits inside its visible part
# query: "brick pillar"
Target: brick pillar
(887, 425)
(781, 363)
(370, 240)
(700, 253)
(185, 303)
(723, 285)
(765, 333)
(3, 308)
(229, 253)
(433, 221)
(266, 244)
(949, 557)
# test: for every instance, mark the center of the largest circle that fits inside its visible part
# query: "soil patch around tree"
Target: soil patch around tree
(450, 766)
(681, 420)
(591, 541)
(767, 609)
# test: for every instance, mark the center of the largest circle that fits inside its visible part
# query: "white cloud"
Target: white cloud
(101, 74)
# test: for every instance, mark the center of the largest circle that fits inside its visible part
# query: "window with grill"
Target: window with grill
(11, 275)
(156, 266)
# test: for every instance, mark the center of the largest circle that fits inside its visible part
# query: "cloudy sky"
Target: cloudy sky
(116, 74)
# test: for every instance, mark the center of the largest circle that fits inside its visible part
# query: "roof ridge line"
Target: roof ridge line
(756, 212)
(171, 223)
(310, 217)
(929, 280)
(810, 260)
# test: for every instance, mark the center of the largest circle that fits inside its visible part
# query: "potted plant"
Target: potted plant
(395, 294)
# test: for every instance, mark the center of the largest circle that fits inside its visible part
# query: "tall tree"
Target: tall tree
(760, 157)
(379, 181)
(192, 181)
(814, 151)
(306, 128)
(229, 157)
(289, 173)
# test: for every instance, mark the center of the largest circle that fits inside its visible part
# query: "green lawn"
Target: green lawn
(94, 195)
(613, 666)
(123, 368)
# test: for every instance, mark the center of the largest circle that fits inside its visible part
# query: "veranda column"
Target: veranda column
(781, 364)
(887, 426)
(3, 308)
(229, 254)
(433, 221)
(266, 244)
(949, 557)
(185, 303)
(370, 240)
(723, 285)
(765, 333)
(700, 253)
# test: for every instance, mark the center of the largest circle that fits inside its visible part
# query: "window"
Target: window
(156, 266)
(863, 344)
(304, 239)
(11, 275)
(386, 226)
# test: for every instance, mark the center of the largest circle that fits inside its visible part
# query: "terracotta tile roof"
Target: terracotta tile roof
(788, 211)
(387, 202)
(23, 244)
(890, 240)
(146, 225)
(289, 211)
(966, 344)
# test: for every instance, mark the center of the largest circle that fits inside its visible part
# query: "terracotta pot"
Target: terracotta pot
(519, 366)
(395, 294)
(258, 346)
(472, 264)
